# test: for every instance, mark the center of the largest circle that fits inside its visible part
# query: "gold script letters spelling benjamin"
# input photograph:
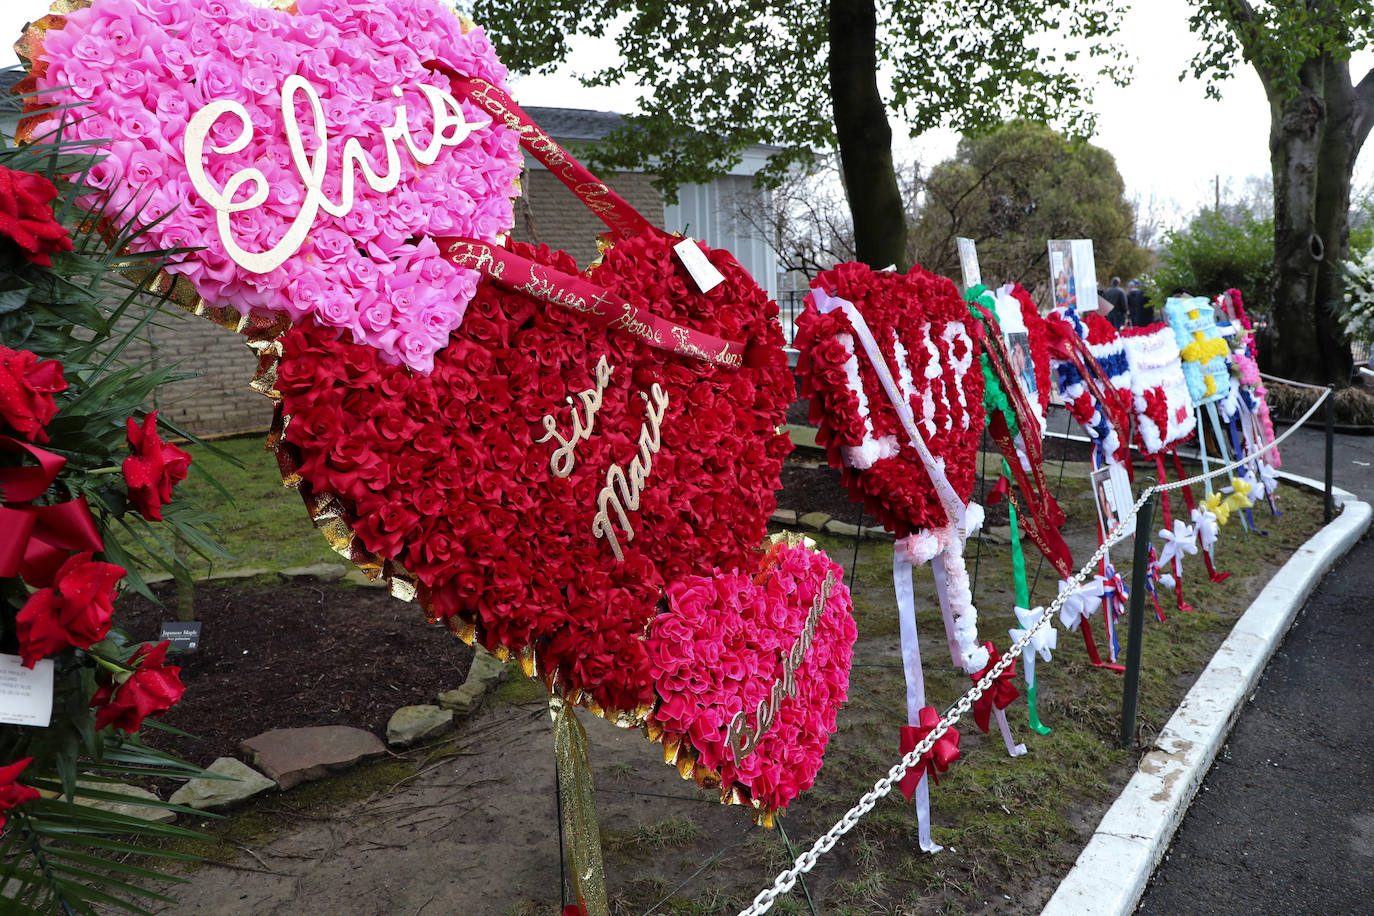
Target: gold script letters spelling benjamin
(622, 490)
(563, 458)
(738, 734)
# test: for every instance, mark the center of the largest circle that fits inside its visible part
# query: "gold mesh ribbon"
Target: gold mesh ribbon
(581, 833)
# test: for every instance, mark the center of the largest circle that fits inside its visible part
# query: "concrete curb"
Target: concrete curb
(1113, 869)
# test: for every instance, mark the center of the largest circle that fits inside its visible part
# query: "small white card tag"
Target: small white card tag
(25, 695)
(703, 271)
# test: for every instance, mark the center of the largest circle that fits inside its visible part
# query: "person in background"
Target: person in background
(1117, 297)
(1140, 313)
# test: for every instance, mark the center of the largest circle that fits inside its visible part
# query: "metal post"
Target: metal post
(1136, 625)
(1330, 506)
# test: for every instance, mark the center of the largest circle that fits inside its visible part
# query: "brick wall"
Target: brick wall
(548, 213)
(218, 401)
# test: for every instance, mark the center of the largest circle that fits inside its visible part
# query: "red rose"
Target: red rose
(26, 390)
(152, 468)
(26, 215)
(74, 611)
(12, 794)
(150, 690)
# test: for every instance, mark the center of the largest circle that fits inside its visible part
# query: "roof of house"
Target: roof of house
(576, 123)
(8, 77)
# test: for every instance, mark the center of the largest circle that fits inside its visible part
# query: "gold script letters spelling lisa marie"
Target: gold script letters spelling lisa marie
(738, 735)
(449, 126)
(622, 490)
(563, 458)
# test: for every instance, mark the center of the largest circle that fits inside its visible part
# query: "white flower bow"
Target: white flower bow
(1081, 602)
(1181, 540)
(1268, 481)
(1205, 523)
(1044, 641)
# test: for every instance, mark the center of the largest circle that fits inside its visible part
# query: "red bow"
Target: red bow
(937, 760)
(998, 492)
(36, 540)
(1002, 691)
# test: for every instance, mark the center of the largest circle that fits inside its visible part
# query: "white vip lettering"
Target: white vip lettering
(450, 129)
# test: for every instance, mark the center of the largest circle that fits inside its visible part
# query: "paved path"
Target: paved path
(1284, 822)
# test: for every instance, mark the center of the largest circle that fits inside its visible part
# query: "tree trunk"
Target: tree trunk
(864, 136)
(1313, 142)
(1295, 132)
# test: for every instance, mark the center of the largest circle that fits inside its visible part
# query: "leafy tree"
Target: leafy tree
(1011, 189)
(722, 75)
(1319, 119)
(1218, 250)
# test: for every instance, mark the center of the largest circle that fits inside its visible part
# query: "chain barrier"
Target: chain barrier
(1290, 383)
(787, 879)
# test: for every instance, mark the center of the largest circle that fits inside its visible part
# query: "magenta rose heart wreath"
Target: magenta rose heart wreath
(520, 451)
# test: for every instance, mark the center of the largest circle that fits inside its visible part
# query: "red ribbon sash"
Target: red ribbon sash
(944, 752)
(622, 219)
(36, 540)
(577, 294)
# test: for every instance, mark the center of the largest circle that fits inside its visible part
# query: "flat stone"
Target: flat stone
(486, 672)
(999, 534)
(358, 577)
(248, 572)
(411, 724)
(327, 572)
(291, 756)
(814, 520)
(241, 783)
(132, 809)
(487, 669)
(785, 516)
(844, 529)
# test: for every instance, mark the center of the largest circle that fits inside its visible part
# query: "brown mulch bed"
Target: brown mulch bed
(301, 653)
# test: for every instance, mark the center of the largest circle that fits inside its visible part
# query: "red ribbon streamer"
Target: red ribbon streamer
(1002, 692)
(36, 540)
(937, 760)
(622, 219)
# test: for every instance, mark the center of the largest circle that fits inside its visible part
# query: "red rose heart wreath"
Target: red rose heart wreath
(573, 470)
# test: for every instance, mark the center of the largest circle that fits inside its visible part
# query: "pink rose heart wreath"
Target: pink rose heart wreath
(539, 477)
(296, 121)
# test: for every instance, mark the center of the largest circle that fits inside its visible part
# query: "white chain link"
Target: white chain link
(786, 880)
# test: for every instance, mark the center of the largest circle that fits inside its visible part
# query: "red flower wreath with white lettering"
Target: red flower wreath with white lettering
(918, 319)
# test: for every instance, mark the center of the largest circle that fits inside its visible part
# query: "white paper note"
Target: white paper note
(25, 694)
(703, 271)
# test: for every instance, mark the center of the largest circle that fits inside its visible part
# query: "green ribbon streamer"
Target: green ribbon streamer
(994, 398)
(1018, 568)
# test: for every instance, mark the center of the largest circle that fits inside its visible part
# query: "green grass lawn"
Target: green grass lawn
(262, 524)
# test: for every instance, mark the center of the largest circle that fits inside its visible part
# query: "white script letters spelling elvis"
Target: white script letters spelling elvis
(450, 129)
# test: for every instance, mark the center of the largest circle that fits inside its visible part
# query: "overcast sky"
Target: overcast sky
(1169, 140)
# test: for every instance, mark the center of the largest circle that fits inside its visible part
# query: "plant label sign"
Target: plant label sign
(183, 635)
(25, 693)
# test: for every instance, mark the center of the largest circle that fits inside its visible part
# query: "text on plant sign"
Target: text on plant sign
(563, 458)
